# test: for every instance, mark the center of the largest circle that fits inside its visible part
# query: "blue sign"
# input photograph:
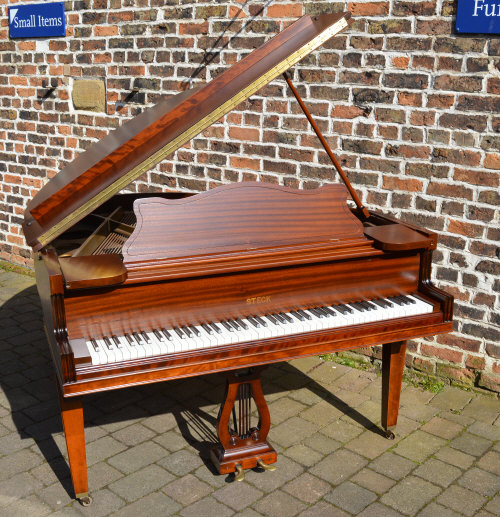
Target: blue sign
(478, 16)
(37, 20)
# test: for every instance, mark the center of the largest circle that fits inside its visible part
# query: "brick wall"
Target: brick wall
(411, 108)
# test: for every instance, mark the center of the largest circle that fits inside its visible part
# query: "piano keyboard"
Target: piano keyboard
(162, 341)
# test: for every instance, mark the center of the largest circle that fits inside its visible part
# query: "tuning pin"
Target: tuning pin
(240, 473)
(262, 465)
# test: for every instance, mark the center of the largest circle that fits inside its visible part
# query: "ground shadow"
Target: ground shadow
(29, 391)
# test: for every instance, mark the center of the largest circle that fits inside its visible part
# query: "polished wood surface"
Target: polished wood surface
(393, 362)
(397, 237)
(104, 163)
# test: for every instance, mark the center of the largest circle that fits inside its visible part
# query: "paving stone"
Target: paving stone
(348, 401)
(270, 481)
(323, 509)
(56, 495)
(458, 418)
(209, 475)
(305, 364)
(461, 500)
(490, 462)
(279, 504)
(412, 395)
(442, 428)
(303, 455)
(322, 444)
(137, 457)
(438, 472)
(292, 431)
(410, 494)
(419, 445)
(494, 505)
(30, 506)
(141, 483)
(405, 427)
(101, 449)
(328, 372)
(351, 497)
(238, 495)
(483, 408)
(379, 510)
(207, 506)
(480, 481)
(392, 465)
(307, 488)
(161, 423)
(370, 410)
(153, 505)
(373, 481)
(308, 396)
(436, 510)
(455, 457)
(133, 434)
(483, 513)
(321, 413)
(18, 487)
(370, 444)
(249, 512)
(451, 398)
(471, 444)
(338, 466)
(284, 408)
(490, 432)
(187, 489)
(342, 431)
(17, 462)
(418, 412)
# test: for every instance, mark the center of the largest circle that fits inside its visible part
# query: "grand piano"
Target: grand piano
(137, 289)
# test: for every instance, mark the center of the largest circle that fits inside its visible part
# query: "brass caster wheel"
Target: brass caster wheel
(86, 500)
(389, 435)
(240, 473)
(262, 465)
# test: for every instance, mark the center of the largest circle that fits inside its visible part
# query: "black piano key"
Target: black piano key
(187, 331)
(304, 314)
(94, 344)
(167, 334)
(179, 332)
(146, 337)
(242, 323)
(227, 326)
(234, 324)
(137, 338)
(411, 300)
(273, 320)
(344, 309)
(279, 317)
(297, 315)
(328, 311)
(108, 343)
(158, 335)
(255, 323)
(380, 303)
(286, 317)
(322, 310)
(402, 299)
(207, 329)
(116, 341)
(261, 321)
(358, 307)
(216, 328)
(128, 337)
(366, 305)
(195, 331)
(396, 300)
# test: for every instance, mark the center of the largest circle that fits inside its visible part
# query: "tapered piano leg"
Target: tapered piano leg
(393, 361)
(72, 418)
(243, 443)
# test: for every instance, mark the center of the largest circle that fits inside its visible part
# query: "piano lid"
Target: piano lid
(118, 159)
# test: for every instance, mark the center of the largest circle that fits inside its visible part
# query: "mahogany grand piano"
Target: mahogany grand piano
(139, 289)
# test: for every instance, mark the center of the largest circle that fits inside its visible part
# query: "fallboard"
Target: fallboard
(136, 307)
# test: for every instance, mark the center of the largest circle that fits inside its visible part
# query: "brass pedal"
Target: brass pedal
(240, 473)
(264, 466)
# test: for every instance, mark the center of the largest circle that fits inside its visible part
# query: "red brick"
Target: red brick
(368, 8)
(341, 111)
(240, 162)
(492, 161)
(475, 362)
(470, 345)
(277, 10)
(465, 228)
(446, 354)
(401, 61)
(244, 134)
(490, 381)
(405, 184)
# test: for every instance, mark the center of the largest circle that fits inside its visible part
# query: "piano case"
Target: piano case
(130, 283)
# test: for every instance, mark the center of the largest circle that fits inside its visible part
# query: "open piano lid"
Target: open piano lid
(118, 159)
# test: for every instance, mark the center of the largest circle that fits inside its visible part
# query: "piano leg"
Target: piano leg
(243, 445)
(72, 418)
(393, 361)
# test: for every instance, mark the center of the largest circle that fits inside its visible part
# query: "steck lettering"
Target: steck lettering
(258, 299)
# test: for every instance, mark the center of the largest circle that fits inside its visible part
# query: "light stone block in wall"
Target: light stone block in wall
(89, 95)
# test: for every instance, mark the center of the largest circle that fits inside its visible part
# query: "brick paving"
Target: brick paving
(148, 447)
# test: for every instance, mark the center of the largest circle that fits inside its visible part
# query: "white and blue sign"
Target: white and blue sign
(478, 16)
(37, 20)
